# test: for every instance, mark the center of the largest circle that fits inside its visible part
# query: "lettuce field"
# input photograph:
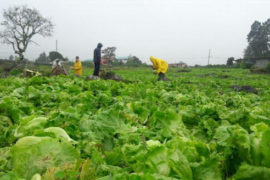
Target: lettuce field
(206, 124)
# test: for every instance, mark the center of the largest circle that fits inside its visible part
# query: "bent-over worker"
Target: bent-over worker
(58, 69)
(160, 66)
(77, 67)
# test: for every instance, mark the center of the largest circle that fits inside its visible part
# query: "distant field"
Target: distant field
(201, 125)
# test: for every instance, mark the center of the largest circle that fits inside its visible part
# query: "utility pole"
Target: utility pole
(56, 45)
(209, 55)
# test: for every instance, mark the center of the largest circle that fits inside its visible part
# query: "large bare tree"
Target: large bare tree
(21, 24)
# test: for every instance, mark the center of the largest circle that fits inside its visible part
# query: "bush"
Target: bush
(258, 70)
(236, 65)
(268, 68)
(87, 63)
(244, 65)
(15, 72)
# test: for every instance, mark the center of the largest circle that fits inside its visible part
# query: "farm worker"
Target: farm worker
(57, 68)
(160, 66)
(56, 63)
(97, 58)
(77, 67)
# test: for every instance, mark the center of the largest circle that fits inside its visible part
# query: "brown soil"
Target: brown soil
(208, 75)
(259, 71)
(224, 76)
(184, 70)
(226, 71)
(245, 88)
(108, 76)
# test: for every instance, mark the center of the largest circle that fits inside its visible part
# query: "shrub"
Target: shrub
(268, 68)
(15, 72)
(244, 65)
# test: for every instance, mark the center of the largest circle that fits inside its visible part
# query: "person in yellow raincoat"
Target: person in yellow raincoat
(77, 67)
(160, 66)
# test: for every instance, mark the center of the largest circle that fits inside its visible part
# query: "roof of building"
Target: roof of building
(258, 58)
(252, 59)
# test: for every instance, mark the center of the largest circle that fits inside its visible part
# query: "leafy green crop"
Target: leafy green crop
(194, 127)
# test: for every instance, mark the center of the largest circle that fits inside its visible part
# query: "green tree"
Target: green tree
(20, 25)
(42, 58)
(133, 61)
(55, 55)
(109, 53)
(230, 61)
(258, 40)
(66, 59)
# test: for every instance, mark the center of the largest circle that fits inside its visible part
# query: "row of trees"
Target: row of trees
(108, 55)
(110, 58)
(44, 59)
(130, 61)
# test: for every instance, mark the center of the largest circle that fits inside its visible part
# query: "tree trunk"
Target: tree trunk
(21, 56)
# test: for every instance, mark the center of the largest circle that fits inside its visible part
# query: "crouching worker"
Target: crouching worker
(161, 68)
(58, 68)
(77, 67)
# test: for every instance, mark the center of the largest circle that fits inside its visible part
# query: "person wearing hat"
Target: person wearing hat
(77, 67)
(97, 58)
(161, 68)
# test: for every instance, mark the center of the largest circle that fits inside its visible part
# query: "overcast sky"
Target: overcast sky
(170, 29)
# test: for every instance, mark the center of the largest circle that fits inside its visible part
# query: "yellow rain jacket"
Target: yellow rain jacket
(77, 68)
(159, 64)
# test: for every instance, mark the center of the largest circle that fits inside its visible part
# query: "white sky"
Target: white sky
(170, 29)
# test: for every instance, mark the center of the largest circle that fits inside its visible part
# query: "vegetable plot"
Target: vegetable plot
(191, 128)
